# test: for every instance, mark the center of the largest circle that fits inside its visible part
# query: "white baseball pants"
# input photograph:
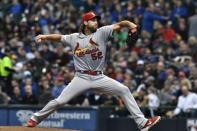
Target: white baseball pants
(100, 83)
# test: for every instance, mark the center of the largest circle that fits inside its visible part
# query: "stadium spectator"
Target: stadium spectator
(58, 86)
(16, 97)
(4, 98)
(6, 70)
(153, 101)
(29, 97)
(168, 33)
(186, 103)
(44, 91)
(149, 17)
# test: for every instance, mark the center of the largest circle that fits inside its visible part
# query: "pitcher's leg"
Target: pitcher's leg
(108, 85)
(47, 110)
(74, 88)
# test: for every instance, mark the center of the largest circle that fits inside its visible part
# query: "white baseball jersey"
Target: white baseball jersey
(89, 51)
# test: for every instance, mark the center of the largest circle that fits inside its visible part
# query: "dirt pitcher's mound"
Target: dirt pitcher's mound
(21, 128)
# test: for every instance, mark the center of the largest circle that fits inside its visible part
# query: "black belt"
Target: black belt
(90, 72)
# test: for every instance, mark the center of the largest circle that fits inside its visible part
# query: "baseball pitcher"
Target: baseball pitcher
(89, 51)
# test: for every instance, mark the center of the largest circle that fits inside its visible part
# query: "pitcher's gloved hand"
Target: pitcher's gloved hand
(133, 35)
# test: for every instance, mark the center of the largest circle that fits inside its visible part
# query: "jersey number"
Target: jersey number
(96, 55)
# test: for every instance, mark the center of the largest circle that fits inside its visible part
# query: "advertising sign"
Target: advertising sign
(75, 118)
(4, 116)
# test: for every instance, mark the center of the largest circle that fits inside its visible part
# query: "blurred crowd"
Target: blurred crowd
(160, 69)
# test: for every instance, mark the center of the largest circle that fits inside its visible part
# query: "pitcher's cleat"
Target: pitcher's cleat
(151, 122)
(31, 123)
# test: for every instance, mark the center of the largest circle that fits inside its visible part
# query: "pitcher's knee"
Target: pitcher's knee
(60, 102)
(56, 102)
(124, 90)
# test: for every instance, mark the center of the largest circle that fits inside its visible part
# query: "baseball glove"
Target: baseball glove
(132, 38)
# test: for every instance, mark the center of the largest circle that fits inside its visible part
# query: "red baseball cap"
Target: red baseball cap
(90, 15)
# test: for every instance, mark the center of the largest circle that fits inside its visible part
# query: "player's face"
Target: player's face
(92, 25)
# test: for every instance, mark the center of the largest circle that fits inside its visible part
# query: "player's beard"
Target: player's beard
(93, 29)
